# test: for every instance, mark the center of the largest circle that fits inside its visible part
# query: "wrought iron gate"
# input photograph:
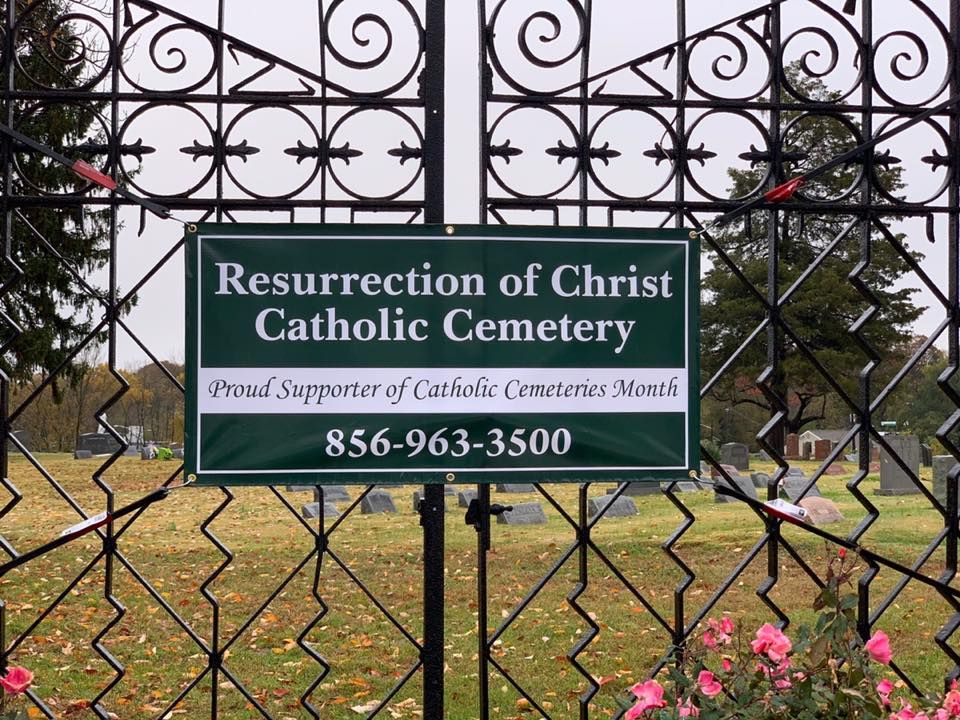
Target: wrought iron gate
(355, 133)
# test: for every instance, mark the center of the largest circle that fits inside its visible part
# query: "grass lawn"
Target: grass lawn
(366, 652)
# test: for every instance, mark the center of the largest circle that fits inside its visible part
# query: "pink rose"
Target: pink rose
(720, 630)
(709, 640)
(941, 714)
(708, 684)
(884, 688)
(649, 694)
(17, 680)
(878, 648)
(772, 641)
(951, 702)
(726, 665)
(687, 709)
(782, 684)
(906, 713)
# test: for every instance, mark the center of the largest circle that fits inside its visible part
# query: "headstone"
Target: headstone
(178, 453)
(875, 466)
(312, 510)
(740, 483)
(23, 437)
(941, 466)
(676, 486)
(791, 486)
(893, 479)
(333, 493)
(515, 488)
(418, 496)
(523, 514)
(82, 454)
(806, 451)
(736, 454)
(97, 443)
(146, 454)
(764, 456)
(449, 490)
(792, 449)
(852, 457)
(728, 469)
(377, 501)
(820, 510)
(465, 496)
(821, 449)
(639, 489)
(795, 472)
(835, 469)
(760, 480)
(620, 507)
(926, 455)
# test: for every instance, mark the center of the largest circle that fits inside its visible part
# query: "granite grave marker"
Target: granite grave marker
(736, 454)
(620, 507)
(312, 510)
(377, 501)
(893, 479)
(523, 514)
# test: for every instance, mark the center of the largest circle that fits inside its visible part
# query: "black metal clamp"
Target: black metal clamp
(474, 517)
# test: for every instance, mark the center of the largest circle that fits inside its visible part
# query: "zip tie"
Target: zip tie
(88, 172)
(786, 191)
(86, 526)
(867, 554)
(782, 193)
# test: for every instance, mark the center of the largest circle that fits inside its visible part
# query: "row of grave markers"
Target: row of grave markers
(793, 488)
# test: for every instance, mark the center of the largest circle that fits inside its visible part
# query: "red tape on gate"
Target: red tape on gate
(88, 171)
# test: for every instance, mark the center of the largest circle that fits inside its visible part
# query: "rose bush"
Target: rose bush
(821, 673)
(15, 681)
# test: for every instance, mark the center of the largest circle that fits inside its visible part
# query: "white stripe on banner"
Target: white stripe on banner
(464, 391)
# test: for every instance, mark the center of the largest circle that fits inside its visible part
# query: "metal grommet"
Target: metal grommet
(694, 235)
(191, 228)
(450, 477)
(450, 230)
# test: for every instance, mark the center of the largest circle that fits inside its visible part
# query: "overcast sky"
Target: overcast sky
(621, 31)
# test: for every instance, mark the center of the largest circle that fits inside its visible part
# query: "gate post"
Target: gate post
(432, 506)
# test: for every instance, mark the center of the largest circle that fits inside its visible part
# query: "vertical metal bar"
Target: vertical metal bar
(866, 420)
(584, 219)
(432, 518)
(433, 96)
(679, 593)
(7, 214)
(953, 240)
(322, 38)
(7, 159)
(775, 338)
(486, 80)
(220, 158)
(483, 648)
(432, 512)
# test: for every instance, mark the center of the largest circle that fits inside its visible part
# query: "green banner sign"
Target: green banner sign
(330, 354)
